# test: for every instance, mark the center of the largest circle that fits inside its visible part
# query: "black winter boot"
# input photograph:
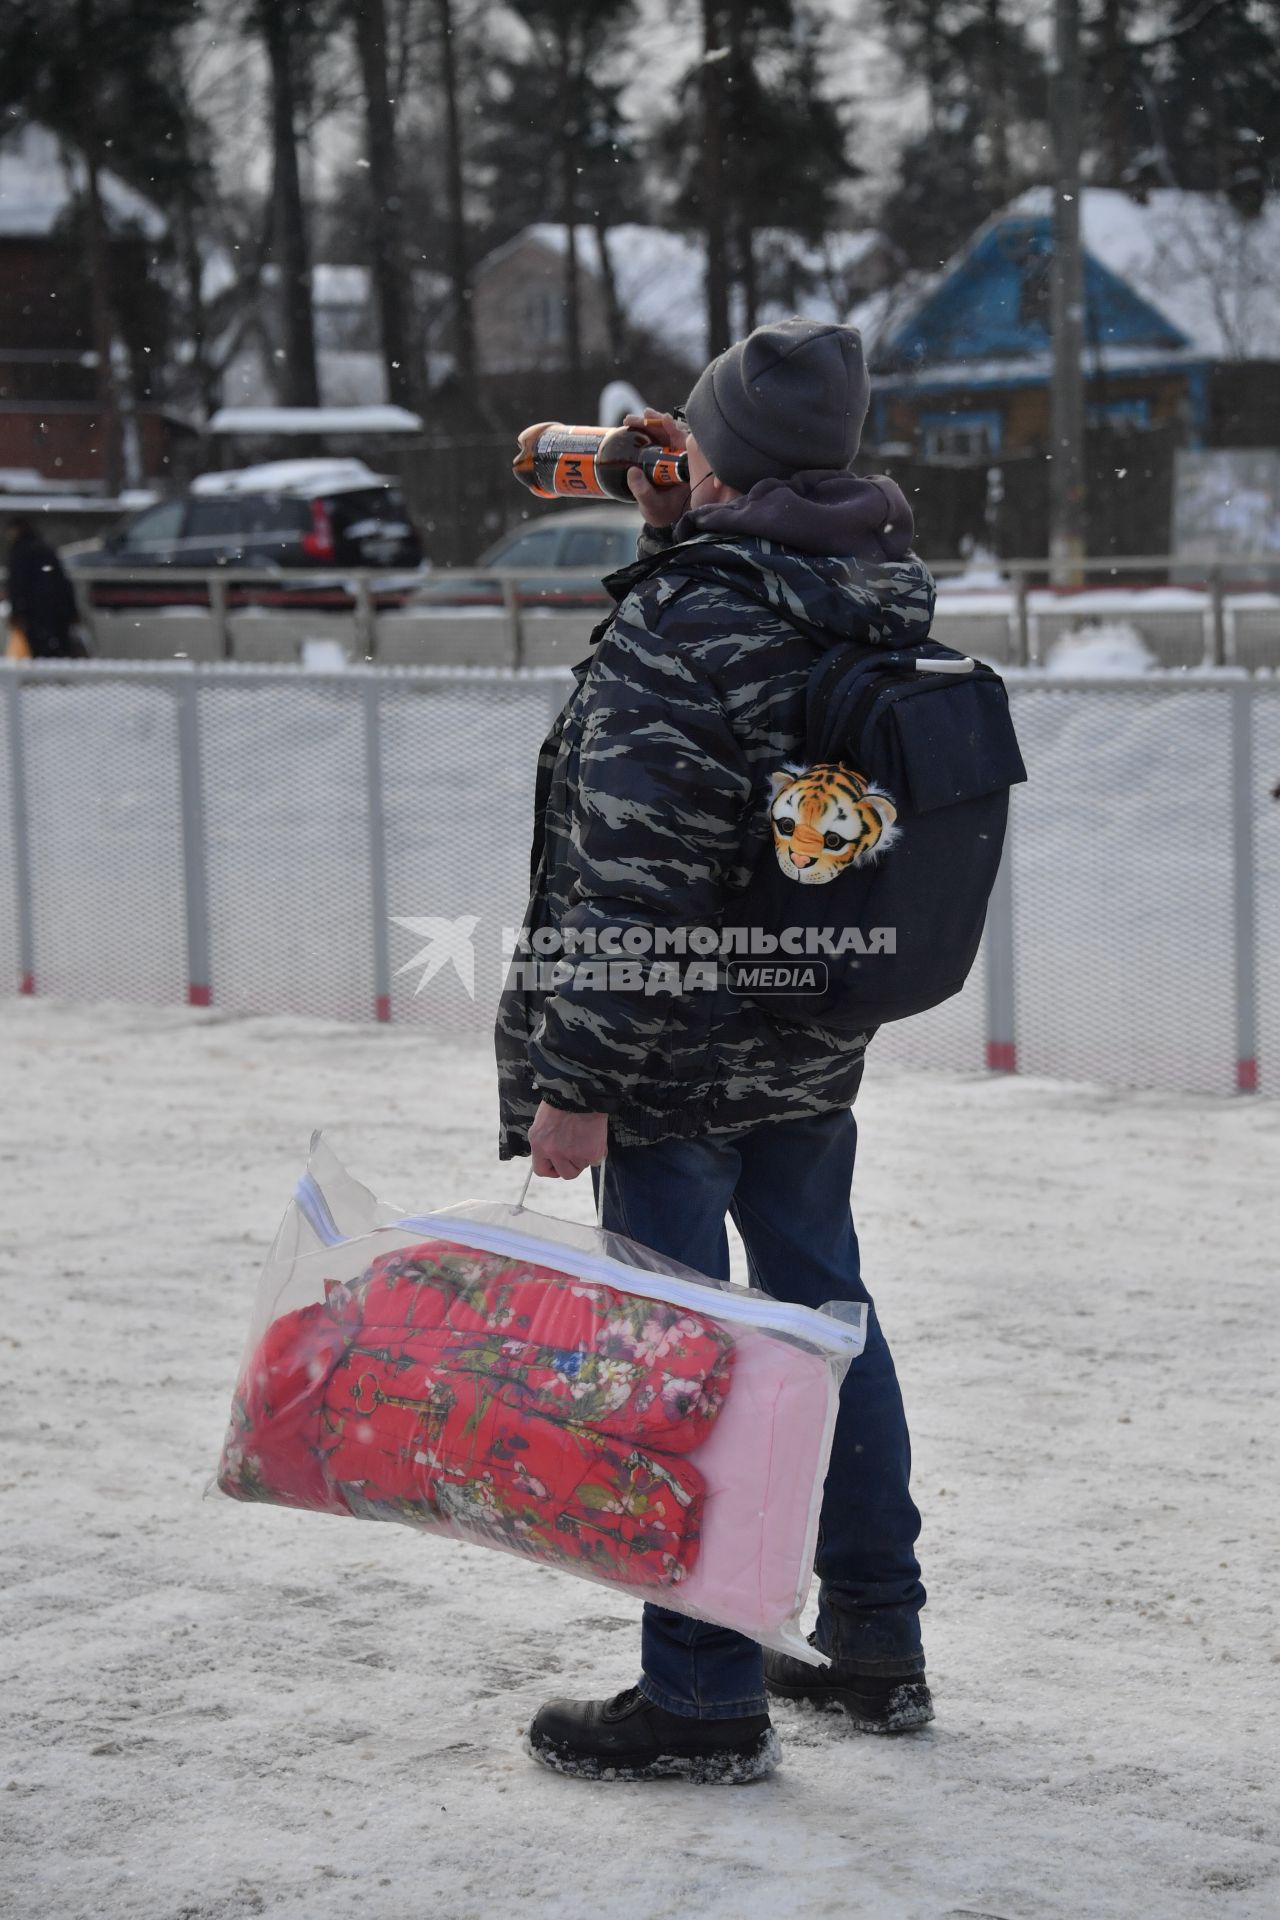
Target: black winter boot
(875, 1702)
(628, 1738)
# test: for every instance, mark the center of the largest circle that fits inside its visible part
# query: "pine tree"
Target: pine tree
(1212, 88)
(554, 138)
(757, 142)
(984, 84)
(788, 144)
(1120, 134)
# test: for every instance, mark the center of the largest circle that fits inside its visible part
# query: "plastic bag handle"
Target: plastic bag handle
(523, 1195)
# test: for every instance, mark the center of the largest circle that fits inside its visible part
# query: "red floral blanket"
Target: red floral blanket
(464, 1391)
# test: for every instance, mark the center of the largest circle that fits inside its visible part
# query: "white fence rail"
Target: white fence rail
(256, 838)
(523, 619)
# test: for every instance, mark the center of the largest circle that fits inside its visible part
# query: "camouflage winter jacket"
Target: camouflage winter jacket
(650, 816)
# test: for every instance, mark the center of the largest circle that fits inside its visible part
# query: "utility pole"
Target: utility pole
(714, 59)
(1066, 287)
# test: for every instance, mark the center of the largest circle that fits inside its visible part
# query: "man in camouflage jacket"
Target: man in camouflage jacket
(618, 1035)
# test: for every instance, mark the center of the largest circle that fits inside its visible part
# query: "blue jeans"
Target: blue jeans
(787, 1187)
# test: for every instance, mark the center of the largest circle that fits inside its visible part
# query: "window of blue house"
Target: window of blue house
(961, 436)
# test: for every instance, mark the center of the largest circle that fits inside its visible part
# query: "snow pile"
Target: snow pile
(323, 656)
(1101, 647)
(218, 1711)
(1121, 600)
(981, 574)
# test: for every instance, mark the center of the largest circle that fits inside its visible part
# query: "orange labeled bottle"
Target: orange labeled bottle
(591, 463)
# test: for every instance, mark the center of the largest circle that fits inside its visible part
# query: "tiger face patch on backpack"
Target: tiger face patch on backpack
(826, 819)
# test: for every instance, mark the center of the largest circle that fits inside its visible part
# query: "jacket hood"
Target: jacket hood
(816, 512)
(831, 594)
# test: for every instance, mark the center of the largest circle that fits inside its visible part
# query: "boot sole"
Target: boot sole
(734, 1769)
(907, 1719)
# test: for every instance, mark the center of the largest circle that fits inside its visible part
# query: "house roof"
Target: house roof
(1179, 276)
(1210, 270)
(661, 275)
(40, 180)
(308, 420)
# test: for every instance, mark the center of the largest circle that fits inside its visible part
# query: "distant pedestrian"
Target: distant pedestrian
(43, 615)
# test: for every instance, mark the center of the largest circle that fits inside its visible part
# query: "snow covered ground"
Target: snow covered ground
(214, 1711)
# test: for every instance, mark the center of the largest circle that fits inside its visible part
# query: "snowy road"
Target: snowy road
(214, 1711)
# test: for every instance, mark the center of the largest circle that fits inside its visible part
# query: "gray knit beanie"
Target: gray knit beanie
(787, 399)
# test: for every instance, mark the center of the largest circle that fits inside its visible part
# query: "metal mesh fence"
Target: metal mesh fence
(457, 774)
(354, 844)
(11, 968)
(952, 1035)
(286, 825)
(1122, 887)
(1265, 810)
(101, 773)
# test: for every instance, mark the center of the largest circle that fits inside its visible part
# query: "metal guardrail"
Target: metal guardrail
(517, 590)
(218, 584)
(1217, 578)
(366, 594)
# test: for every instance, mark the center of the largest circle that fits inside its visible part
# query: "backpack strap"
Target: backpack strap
(834, 684)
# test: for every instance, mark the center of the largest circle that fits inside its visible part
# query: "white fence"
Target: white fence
(514, 619)
(254, 838)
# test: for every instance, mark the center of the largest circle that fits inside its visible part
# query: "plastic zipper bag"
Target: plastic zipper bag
(550, 1389)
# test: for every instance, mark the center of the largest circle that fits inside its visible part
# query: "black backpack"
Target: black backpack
(910, 755)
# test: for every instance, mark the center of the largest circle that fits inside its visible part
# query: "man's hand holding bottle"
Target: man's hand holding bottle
(661, 506)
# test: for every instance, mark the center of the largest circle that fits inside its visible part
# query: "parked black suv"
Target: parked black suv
(288, 513)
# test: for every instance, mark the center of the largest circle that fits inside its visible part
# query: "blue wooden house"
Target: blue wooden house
(1180, 298)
